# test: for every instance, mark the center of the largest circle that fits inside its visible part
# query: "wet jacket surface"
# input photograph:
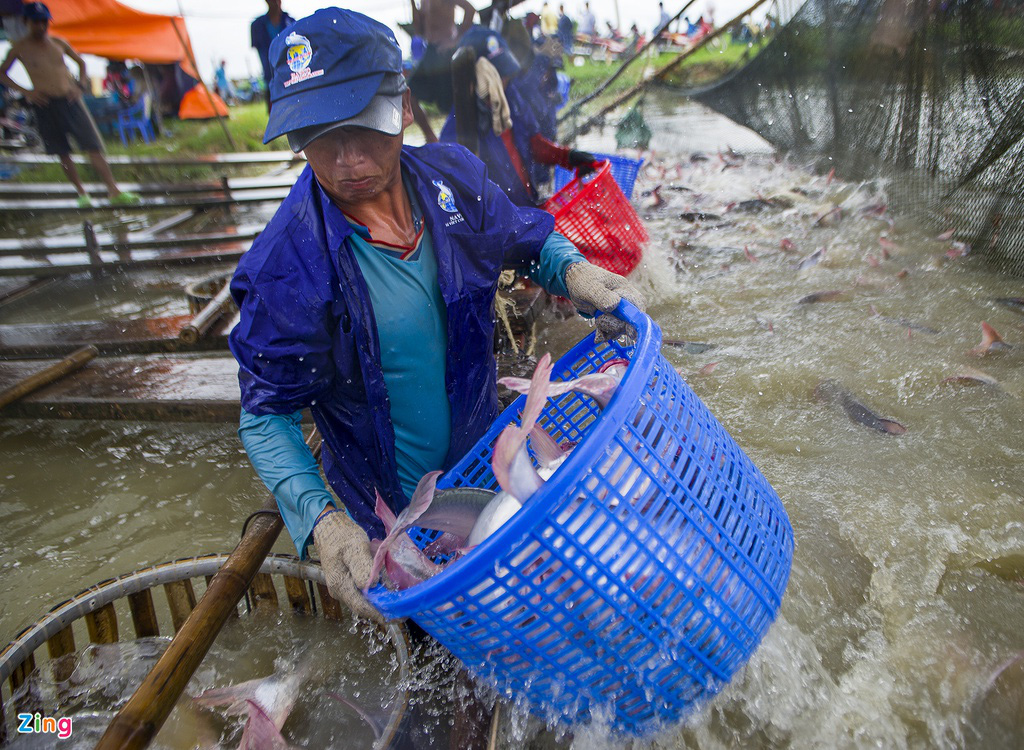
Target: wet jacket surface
(307, 336)
(532, 100)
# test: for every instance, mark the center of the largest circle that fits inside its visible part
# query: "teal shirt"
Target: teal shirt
(412, 327)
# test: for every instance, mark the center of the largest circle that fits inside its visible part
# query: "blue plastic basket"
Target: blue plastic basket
(639, 578)
(624, 170)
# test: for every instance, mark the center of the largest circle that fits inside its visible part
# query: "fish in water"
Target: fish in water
(830, 295)
(831, 218)
(656, 200)
(811, 260)
(786, 245)
(833, 392)
(991, 341)
(1014, 303)
(690, 347)
(267, 702)
(695, 216)
(756, 205)
(970, 376)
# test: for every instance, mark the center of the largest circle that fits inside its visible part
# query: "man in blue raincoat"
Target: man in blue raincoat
(517, 121)
(368, 297)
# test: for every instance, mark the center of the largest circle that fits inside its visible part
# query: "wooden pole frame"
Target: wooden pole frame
(209, 97)
(139, 720)
(622, 68)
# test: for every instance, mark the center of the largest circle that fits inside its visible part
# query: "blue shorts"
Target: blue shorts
(61, 116)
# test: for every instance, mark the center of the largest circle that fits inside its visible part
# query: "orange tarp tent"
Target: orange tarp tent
(195, 105)
(108, 29)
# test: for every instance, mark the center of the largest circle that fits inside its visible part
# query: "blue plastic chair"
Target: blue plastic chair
(135, 118)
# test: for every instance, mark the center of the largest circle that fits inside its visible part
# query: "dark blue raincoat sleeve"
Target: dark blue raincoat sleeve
(283, 339)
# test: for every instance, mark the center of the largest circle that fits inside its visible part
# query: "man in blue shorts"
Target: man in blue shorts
(57, 98)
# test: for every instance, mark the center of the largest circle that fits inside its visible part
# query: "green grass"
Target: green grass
(703, 66)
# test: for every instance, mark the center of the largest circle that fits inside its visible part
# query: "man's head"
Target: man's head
(274, 6)
(37, 19)
(339, 94)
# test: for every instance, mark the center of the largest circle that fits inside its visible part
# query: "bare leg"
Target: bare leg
(71, 172)
(99, 163)
(420, 118)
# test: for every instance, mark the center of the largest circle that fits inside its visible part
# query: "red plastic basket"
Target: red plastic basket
(593, 213)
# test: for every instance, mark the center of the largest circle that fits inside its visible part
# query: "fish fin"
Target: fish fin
(544, 446)
(234, 697)
(384, 513)
(892, 427)
(260, 732)
(990, 336)
(421, 499)
(513, 438)
(504, 451)
(519, 385)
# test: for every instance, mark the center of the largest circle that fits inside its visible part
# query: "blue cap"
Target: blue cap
(490, 44)
(328, 68)
(36, 12)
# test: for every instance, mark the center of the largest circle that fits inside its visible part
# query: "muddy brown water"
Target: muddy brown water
(907, 588)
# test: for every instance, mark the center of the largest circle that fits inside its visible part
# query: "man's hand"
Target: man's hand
(592, 288)
(489, 88)
(346, 561)
(37, 97)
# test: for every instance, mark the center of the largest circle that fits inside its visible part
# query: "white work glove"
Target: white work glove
(592, 288)
(346, 561)
(489, 88)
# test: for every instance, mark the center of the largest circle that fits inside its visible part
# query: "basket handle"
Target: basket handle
(630, 313)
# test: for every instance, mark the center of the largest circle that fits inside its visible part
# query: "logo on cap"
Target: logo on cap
(445, 197)
(299, 54)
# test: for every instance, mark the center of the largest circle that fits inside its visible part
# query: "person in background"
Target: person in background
(663, 20)
(118, 83)
(548, 20)
(613, 33)
(222, 84)
(588, 23)
(434, 22)
(516, 135)
(566, 35)
(368, 297)
(262, 32)
(57, 98)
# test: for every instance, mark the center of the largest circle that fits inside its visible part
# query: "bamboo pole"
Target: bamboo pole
(661, 72)
(140, 719)
(622, 68)
(74, 361)
(200, 325)
(209, 97)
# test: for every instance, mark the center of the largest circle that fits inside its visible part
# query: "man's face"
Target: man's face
(274, 5)
(354, 165)
(37, 29)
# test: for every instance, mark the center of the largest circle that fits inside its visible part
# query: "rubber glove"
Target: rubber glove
(592, 288)
(489, 88)
(583, 161)
(346, 561)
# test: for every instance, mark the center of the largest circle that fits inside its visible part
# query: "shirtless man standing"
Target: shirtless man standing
(434, 21)
(57, 97)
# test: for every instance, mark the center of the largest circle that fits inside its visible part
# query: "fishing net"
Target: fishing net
(928, 94)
